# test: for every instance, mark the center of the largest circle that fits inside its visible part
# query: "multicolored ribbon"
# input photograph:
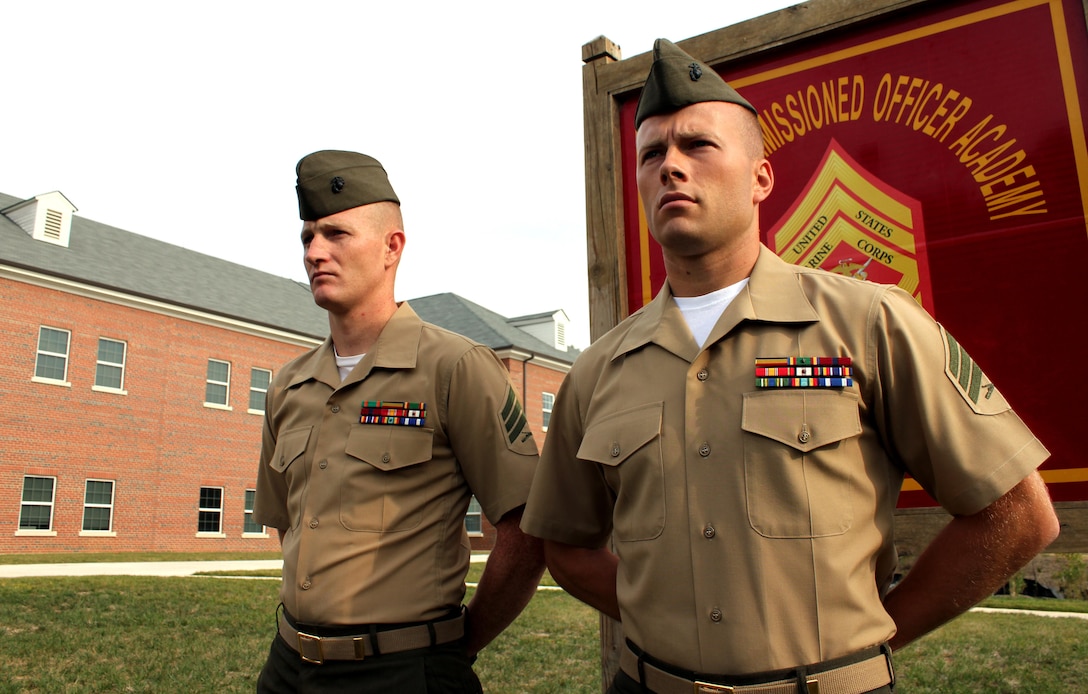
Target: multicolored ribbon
(408, 414)
(804, 372)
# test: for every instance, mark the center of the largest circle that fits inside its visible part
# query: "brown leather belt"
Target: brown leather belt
(856, 678)
(318, 649)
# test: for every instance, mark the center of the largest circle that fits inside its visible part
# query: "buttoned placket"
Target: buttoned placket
(700, 444)
(318, 487)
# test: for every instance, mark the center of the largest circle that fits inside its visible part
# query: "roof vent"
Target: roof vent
(45, 217)
(549, 327)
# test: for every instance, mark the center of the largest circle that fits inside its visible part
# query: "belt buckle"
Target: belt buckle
(309, 638)
(711, 688)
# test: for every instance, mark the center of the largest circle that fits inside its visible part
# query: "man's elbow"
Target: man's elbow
(1028, 506)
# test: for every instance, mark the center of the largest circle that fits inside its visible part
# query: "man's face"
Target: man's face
(699, 182)
(350, 256)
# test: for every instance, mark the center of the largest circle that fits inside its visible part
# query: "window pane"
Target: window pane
(50, 367)
(208, 522)
(99, 492)
(50, 340)
(107, 376)
(218, 371)
(211, 497)
(95, 518)
(216, 393)
(474, 517)
(111, 351)
(38, 489)
(34, 518)
(260, 378)
(249, 525)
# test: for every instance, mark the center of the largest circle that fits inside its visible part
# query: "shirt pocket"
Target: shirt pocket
(628, 445)
(290, 446)
(385, 486)
(801, 461)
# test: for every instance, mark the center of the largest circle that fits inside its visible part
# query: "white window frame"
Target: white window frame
(253, 389)
(210, 509)
(248, 515)
(47, 532)
(98, 362)
(547, 402)
(209, 382)
(474, 509)
(108, 532)
(39, 352)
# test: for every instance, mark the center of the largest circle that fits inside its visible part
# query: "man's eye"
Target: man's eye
(650, 154)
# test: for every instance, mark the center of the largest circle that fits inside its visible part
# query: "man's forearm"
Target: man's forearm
(509, 581)
(970, 559)
(587, 574)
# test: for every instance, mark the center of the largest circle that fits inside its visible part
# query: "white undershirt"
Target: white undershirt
(702, 312)
(345, 364)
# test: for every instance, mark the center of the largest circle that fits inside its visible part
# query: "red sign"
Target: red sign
(941, 148)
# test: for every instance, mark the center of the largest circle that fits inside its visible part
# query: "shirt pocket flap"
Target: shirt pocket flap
(612, 440)
(390, 447)
(289, 447)
(802, 419)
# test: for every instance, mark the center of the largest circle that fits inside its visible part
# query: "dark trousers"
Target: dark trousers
(441, 669)
(623, 684)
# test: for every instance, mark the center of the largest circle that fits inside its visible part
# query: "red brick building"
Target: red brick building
(133, 376)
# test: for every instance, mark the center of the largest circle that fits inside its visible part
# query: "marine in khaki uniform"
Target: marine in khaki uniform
(373, 444)
(742, 439)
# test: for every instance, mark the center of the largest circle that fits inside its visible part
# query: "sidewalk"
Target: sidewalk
(147, 568)
(136, 568)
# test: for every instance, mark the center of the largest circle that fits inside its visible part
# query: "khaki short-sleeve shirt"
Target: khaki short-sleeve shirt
(754, 525)
(374, 510)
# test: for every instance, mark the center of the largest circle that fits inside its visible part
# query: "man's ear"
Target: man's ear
(394, 246)
(762, 181)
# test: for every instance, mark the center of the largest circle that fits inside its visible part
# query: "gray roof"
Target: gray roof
(475, 322)
(108, 257)
(104, 256)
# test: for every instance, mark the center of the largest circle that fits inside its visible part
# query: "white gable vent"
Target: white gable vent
(550, 327)
(45, 217)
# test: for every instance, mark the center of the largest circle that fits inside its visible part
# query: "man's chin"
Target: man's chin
(323, 300)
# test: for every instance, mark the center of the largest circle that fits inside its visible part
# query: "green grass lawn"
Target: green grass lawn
(206, 634)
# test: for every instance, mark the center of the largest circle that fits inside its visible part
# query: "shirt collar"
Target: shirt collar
(773, 295)
(397, 348)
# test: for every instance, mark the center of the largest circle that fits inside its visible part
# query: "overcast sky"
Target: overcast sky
(184, 121)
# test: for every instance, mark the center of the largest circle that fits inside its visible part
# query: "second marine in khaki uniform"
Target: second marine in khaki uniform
(373, 445)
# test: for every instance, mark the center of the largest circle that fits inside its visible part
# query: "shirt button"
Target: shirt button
(306, 584)
(715, 615)
(615, 450)
(804, 436)
(709, 531)
(323, 464)
(335, 409)
(703, 375)
(704, 450)
(314, 523)
(385, 458)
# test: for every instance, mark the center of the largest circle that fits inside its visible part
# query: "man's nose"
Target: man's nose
(671, 167)
(314, 251)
